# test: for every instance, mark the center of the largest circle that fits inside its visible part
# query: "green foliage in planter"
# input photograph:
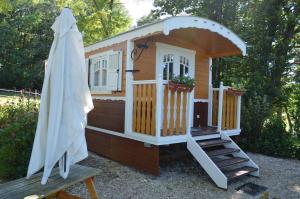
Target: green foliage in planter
(18, 122)
(185, 80)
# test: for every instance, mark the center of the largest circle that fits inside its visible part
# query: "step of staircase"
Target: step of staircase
(239, 172)
(225, 163)
(214, 142)
(225, 151)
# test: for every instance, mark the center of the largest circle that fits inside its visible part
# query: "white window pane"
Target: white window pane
(104, 77)
(96, 78)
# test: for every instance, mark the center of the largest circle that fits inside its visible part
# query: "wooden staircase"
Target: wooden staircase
(221, 158)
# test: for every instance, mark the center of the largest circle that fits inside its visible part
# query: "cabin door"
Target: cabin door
(175, 61)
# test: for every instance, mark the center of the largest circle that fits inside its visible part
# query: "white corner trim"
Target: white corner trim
(142, 137)
(95, 92)
(201, 100)
(231, 132)
(172, 47)
(169, 24)
(104, 53)
(109, 98)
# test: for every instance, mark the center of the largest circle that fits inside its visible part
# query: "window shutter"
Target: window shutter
(88, 70)
(114, 72)
(91, 72)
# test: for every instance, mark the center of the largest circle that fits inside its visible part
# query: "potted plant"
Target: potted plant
(181, 83)
(236, 91)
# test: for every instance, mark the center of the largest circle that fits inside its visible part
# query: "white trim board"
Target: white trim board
(166, 26)
(172, 47)
(201, 100)
(143, 138)
(109, 98)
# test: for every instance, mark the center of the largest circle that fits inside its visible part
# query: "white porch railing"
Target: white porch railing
(159, 112)
(225, 109)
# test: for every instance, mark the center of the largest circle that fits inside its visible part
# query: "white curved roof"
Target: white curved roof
(167, 25)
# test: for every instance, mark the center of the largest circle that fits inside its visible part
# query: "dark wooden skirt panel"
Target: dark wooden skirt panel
(200, 114)
(108, 114)
(126, 151)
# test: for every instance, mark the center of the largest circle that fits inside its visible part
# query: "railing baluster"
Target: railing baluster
(238, 113)
(134, 107)
(138, 119)
(143, 123)
(159, 102)
(178, 103)
(165, 119)
(148, 110)
(220, 107)
(153, 112)
(184, 105)
(171, 128)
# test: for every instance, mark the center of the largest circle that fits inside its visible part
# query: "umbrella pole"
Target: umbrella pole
(65, 162)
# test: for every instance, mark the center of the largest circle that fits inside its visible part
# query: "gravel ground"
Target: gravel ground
(186, 179)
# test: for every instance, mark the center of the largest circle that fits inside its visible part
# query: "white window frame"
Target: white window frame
(163, 48)
(104, 89)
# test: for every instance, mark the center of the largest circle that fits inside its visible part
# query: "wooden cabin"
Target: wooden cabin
(136, 112)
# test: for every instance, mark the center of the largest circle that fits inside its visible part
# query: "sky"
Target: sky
(138, 8)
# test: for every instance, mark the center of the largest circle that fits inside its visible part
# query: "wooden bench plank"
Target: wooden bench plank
(23, 187)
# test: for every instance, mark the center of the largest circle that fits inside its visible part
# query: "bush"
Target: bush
(275, 140)
(18, 122)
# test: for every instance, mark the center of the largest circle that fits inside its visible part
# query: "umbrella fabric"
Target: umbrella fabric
(65, 102)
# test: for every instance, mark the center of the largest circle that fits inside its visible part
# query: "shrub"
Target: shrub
(18, 121)
(275, 140)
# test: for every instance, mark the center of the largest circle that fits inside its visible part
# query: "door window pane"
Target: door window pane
(168, 62)
(184, 66)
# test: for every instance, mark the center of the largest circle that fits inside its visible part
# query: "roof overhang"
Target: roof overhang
(167, 25)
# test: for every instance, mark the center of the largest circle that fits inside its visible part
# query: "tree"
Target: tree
(26, 34)
(270, 71)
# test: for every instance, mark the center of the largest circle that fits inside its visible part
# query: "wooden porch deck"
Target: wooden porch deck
(201, 131)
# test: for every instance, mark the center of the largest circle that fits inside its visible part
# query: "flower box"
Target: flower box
(235, 92)
(179, 87)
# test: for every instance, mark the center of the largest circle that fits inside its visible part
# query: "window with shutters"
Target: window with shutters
(105, 72)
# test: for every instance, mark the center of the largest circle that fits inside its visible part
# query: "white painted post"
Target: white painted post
(129, 88)
(210, 105)
(210, 94)
(238, 113)
(190, 108)
(220, 109)
(159, 97)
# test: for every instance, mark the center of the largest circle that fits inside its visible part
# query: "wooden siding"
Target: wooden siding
(201, 76)
(126, 151)
(120, 46)
(108, 114)
(146, 64)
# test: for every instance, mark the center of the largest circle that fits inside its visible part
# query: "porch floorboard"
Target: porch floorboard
(199, 131)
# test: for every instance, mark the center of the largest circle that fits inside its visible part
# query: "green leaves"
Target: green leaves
(26, 35)
(18, 120)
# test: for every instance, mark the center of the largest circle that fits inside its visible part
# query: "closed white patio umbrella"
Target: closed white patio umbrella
(65, 102)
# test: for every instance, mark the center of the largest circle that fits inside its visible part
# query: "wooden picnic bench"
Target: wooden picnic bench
(32, 189)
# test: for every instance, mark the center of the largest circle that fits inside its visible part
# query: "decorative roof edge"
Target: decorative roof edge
(167, 25)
